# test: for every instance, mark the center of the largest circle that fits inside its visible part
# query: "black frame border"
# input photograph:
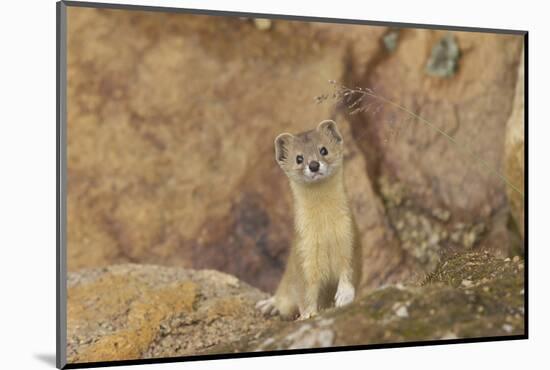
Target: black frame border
(61, 181)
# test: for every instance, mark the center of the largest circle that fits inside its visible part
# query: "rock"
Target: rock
(308, 337)
(160, 173)
(402, 311)
(143, 311)
(515, 153)
(140, 311)
(449, 335)
(175, 183)
(171, 127)
(438, 309)
(430, 171)
(467, 283)
(381, 249)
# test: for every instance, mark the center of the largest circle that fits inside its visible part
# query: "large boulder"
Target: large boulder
(126, 312)
(139, 311)
(515, 153)
(471, 295)
(171, 127)
(170, 145)
(441, 193)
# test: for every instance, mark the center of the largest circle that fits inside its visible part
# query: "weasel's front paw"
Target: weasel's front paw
(267, 306)
(344, 295)
(307, 315)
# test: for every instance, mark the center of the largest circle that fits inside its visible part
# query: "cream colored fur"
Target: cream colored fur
(323, 267)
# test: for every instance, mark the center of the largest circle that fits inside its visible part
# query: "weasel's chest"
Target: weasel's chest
(324, 226)
(325, 238)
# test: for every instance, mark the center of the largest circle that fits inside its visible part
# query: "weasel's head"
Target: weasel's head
(312, 156)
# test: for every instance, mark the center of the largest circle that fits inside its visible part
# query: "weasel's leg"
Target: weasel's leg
(287, 307)
(311, 299)
(345, 292)
(284, 302)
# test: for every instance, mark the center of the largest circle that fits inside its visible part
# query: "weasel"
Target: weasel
(323, 267)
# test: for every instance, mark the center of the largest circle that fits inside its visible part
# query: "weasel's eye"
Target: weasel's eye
(323, 151)
(299, 159)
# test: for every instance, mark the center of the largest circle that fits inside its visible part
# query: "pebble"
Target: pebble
(449, 335)
(467, 283)
(325, 338)
(507, 328)
(441, 214)
(267, 342)
(262, 24)
(399, 286)
(402, 312)
(325, 322)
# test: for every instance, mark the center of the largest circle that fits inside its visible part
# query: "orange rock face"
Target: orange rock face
(126, 312)
(172, 117)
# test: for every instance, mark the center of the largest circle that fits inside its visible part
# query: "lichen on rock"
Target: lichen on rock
(443, 60)
(426, 233)
(141, 311)
(390, 40)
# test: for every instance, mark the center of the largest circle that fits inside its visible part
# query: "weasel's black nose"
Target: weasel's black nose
(314, 166)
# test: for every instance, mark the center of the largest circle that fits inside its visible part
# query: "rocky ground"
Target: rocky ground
(141, 311)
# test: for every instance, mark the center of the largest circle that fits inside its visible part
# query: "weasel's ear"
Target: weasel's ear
(281, 146)
(328, 127)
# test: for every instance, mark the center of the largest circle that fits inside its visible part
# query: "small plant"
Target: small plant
(360, 99)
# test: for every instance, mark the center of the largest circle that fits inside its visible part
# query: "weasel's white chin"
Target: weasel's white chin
(315, 177)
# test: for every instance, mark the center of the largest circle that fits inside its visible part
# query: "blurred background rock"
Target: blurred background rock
(171, 121)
